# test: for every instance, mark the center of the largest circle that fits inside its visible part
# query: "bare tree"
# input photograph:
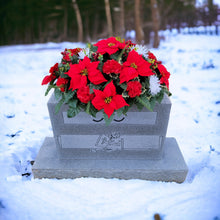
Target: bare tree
(79, 21)
(138, 28)
(109, 18)
(156, 22)
(122, 19)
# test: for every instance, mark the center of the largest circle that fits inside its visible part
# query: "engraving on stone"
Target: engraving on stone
(109, 142)
(119, 120)
(140, 118)
(97, 120)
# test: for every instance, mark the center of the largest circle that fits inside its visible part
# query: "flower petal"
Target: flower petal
(78, 81)
(128, 73)
(119, 101)
(110, 90)
(108, 109)
(98, 102)
(46, 80)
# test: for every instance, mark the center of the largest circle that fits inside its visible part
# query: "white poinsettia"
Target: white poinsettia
(154, 85)
(83, 53)
(142, 50)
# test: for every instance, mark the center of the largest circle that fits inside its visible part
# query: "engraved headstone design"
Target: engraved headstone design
(109, 142)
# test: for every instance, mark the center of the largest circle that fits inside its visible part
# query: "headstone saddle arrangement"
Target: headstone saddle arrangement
(109, 113)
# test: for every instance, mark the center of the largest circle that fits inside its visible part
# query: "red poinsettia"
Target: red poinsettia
(108, 99)
(111, 66)
(52, 75)
(61, 82)
(134, 65)
(165, 75)
(110, 46)
(134, 88)
(83, 70)
(84, 95)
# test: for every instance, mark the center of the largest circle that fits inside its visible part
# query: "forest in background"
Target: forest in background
(39, 21)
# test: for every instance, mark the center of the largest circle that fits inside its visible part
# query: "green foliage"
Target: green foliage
(68, 95)
(91, 110)
(58, 106)
(107, 119)
(57, 93)
(48, 89)
(143, 100)
(73, 103)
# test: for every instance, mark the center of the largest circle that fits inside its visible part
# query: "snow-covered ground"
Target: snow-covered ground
(194, 63)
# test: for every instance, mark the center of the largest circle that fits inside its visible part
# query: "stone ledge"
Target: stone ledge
(171, 167)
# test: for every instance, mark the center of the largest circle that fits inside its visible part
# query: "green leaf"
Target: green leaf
(115, 56)
(74, 59)
(71, 112)
(93, 111)
(57, 93)
(88, 108)
(68, 95)
(63, 75)
(139, 106)
(92, 86)
(120, 111)
(107, 119)
(73, 103)
(144, 101)
(48, 89)
(159, 97)
(58, 106)
(123, 86)
(152, 102)
(93, 48)
(125, 109)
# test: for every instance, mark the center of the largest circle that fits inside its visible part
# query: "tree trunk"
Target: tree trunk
(79, 21)
(156, 22)
(138, 27)
(122, 19)
(65, 22)
(108, 16)
(95, 27)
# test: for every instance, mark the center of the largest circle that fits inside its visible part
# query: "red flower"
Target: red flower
(165, 75)
(52, 75)
(111, 66)
(54, 68)
(68, 53)
(134, 66)
(79, 73)
(110, 46)
(129, 43)
(83, 94)
(61, 82)
(134, 88)
(108, 99)
(153, 59)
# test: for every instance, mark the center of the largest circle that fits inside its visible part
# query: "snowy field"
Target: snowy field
(194, 63)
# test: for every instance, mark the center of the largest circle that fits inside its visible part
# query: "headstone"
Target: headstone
(131, 147)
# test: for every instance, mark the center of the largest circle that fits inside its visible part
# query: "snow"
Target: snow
(194, 63)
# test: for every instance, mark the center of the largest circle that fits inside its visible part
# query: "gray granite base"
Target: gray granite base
(171, 167)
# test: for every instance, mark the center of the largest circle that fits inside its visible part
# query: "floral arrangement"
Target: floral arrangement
(111, 75)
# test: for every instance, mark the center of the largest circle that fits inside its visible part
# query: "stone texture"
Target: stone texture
(132, 147)
(171, 167)
(139, 130)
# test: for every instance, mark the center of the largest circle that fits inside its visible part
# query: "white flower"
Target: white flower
(154, 85)
(142, 50)
(83, 53)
